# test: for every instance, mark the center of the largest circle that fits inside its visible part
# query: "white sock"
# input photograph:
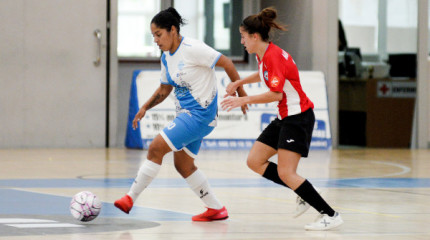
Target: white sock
(146, 173)
(199, 184)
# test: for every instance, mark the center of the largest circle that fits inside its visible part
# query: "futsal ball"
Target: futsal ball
(85, 206)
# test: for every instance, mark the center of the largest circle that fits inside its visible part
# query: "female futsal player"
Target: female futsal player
(187, 66)
(290, 134)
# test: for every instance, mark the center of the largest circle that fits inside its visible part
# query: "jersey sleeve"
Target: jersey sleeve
(276, 73)
(203, 55)
(163, 77)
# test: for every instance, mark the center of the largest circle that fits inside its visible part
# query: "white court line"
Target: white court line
(25, 220)
(403, 167)
(45, 225)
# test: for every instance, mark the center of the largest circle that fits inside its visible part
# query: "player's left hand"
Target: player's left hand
(232, 102)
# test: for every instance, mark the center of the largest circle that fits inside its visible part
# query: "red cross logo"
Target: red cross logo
(384, 89)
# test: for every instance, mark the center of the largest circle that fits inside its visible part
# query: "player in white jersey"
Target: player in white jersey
(187, 66)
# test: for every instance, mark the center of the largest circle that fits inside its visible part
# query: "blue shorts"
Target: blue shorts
(185, 132)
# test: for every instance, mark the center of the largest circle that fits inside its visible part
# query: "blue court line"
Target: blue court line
(16, 202)
(215, 182)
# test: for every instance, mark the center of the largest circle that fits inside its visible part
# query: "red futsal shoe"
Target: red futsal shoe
(124, 204)
(211, 215)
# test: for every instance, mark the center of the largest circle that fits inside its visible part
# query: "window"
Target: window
(380, 26)
(360, 21)
(134, 33)
(402, 24)
(216, 22)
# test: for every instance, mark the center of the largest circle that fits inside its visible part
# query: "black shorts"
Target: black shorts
(292, 133)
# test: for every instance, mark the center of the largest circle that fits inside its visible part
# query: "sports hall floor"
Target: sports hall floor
(381, 194)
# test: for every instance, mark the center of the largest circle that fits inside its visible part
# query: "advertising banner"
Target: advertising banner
(234, 129)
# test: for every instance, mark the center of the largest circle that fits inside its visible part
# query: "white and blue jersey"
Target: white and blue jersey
(190, 70)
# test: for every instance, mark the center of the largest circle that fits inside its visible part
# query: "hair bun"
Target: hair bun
(268, 14)
(262, 23)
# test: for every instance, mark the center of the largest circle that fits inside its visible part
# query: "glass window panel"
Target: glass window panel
(215, 22)
(221, 24)
(360, 21)
(192, 11)
(402, 13)
(402, 23)
(134, 33)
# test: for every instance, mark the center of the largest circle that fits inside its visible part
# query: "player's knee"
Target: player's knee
(155, 152)
(283, 175)
(286, 176)
(253, 163)
(185, 169)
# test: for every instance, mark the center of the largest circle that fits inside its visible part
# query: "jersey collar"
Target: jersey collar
(171, 54)
(267, 49)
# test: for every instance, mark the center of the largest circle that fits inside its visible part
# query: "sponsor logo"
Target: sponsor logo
(180, 74)
(274, 82)
(266, 75)
(290, 140)
(181, 65)
(203, 194)
(171, 125)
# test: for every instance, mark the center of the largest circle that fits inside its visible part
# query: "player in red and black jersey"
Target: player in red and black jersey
(289, 135)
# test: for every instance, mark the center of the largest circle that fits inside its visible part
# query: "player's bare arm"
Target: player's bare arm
(232, 73)
(231, 87)
(234, 102)
(159, 95)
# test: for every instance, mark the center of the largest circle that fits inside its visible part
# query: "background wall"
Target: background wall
(125, 74)
(298, 39)
(310, 47)
(311, 40)
(52, 87)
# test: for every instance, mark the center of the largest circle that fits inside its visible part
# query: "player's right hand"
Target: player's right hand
(231, 89)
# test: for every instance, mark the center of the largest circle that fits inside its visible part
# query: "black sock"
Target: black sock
(271, 173)
(308, 193)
